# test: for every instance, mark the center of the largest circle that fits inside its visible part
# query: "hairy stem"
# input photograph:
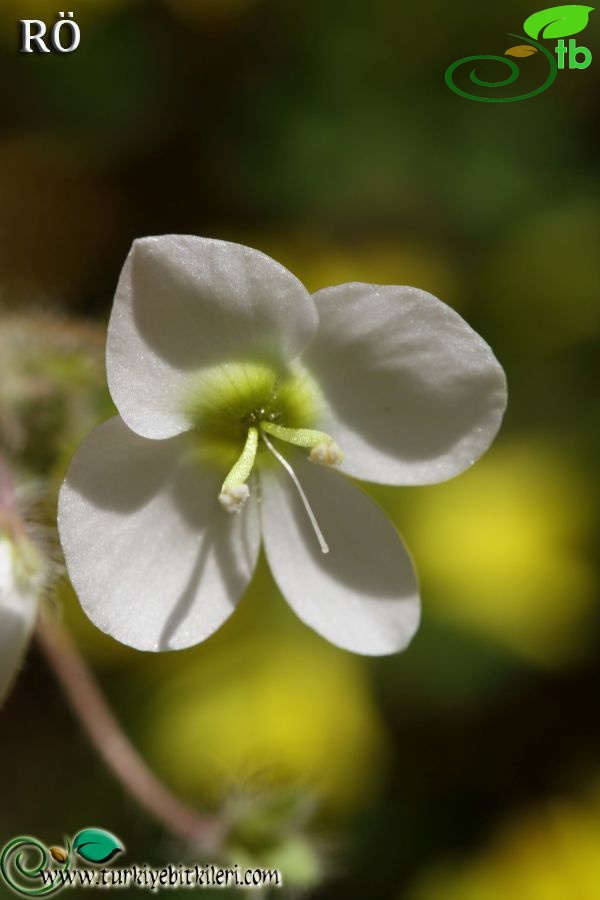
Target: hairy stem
(204, 831)
(7, 486)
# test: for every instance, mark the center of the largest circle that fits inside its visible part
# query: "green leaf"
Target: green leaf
(558, 21)
(97, 846)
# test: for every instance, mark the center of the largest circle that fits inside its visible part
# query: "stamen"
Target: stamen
(235, 491)
(323, 448)
(303, 497)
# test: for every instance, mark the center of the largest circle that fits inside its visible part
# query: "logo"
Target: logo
(31, 869)
(557, 22)
(33, 32)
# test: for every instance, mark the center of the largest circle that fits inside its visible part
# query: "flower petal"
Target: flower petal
(17, 616)
(413, 394)
(154, 559)
(186, 302)
(363, 594)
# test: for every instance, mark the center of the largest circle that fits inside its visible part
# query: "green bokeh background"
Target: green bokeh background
(467, 768)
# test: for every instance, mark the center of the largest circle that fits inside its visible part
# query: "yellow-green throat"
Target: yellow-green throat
(237, 408)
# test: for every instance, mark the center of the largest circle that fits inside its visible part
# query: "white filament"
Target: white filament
(303, 497)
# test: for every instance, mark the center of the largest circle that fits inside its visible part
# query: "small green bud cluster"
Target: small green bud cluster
(270, 830)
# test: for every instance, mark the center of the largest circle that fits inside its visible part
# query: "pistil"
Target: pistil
(311, 516)
(276, 403)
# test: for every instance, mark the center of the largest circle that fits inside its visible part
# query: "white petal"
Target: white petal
(185, 302)
(413, 395)
(17, 616)
(155, 561)
(363, 594)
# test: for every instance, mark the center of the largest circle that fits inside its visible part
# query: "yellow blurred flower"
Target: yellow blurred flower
(501, 551)
(267, 712)
(319, 261)
(550, 854)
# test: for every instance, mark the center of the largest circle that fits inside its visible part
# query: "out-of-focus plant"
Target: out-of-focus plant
(321, 260)
(53, 387)
(503, 551)
(550, 853)
(542, 276)
(278, 709)
(267, 831)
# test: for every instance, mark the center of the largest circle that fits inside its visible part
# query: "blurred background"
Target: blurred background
(467, 768)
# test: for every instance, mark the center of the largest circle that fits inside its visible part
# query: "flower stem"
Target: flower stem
(7, 486)
(204, 831)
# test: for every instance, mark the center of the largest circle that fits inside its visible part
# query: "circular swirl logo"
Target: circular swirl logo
(22, 863)
(556, 22)
(514, 74)
(30, 868)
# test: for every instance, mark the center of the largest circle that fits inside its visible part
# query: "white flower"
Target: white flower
(18, 604)
(227, 374)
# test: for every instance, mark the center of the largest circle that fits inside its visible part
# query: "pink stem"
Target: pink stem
(104, 731)
(7, 487)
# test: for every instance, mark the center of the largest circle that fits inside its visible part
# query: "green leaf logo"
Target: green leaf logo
(558, 21)
(97, 846)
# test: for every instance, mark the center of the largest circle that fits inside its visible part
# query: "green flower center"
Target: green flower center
(236, 408)
(225, 401)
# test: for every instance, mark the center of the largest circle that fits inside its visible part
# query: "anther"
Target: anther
(233, 498)
(327, 453)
